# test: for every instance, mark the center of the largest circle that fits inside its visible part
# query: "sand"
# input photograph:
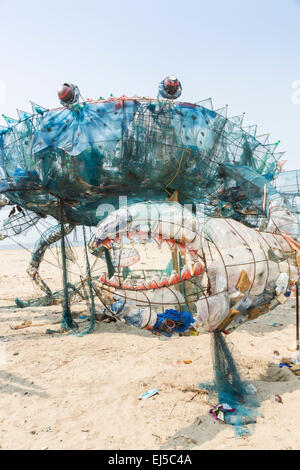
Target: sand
(63, 392)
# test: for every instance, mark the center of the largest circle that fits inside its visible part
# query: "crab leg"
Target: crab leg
(50, 236)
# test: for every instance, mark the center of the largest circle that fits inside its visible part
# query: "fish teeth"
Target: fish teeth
(141, 285)
(127, 284)
(114, 281)
(185, 273)
(198, 268)
(154, 283)
(164, 282)
(174, 278)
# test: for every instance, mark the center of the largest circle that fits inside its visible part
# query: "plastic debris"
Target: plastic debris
(25, 324)
(282, 284)
(244, 282)
(293, 366)
(173, 321)
(175, 363)
(278, 399)
(296, 358)
(148, 394)
(219, 411)
(284, 364)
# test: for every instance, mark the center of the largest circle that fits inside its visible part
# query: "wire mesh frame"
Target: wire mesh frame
(261, 245)
(224, 119)
(151, 304)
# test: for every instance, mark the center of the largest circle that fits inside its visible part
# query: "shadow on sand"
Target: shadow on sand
(10, 384)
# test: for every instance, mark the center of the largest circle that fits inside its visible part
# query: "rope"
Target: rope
(67, 320)
(178, 169)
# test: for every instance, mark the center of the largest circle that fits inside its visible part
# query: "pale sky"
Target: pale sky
(241, 53)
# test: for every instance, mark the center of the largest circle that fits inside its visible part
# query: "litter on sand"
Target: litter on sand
(284, 364)
(25, 324)
(220, 410)
(278, 399)
(184, 361)
(292, 364)
(148, 394)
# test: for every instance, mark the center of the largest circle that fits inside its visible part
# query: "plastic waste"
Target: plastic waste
(282, 283)
(148, 394)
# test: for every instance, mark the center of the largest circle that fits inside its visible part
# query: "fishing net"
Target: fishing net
(237, 399)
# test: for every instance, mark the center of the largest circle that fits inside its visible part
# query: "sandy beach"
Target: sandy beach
(59, 391)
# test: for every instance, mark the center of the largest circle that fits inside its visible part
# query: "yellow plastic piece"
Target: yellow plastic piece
(244, 282)
(258, 311)
(232, 313)
(281, 298)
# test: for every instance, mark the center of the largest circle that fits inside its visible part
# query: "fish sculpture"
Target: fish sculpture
(229, 274)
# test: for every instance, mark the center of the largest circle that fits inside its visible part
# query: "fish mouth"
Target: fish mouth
(169, 227)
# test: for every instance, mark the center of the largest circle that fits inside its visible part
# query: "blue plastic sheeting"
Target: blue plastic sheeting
(184, 318)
